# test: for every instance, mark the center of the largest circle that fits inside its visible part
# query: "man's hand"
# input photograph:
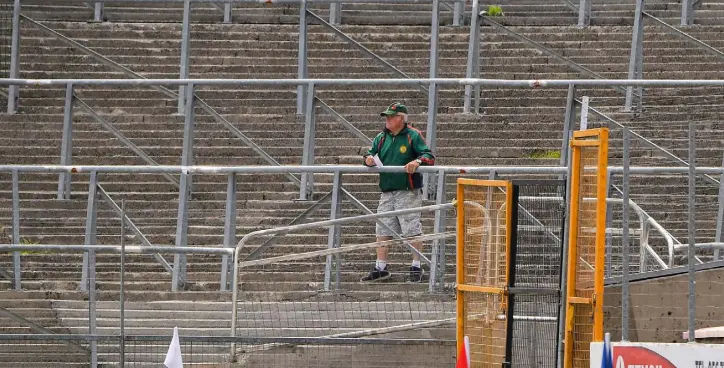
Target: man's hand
(369, 161)
(411, 167)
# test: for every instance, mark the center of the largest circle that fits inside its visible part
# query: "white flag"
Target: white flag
(173, 357)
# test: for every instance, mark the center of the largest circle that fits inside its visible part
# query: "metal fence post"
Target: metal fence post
(122, 295)
(687, 12)
(458, 13)
(720, 214)
(584, 13)
(429, 178)
(90, 227)
(564, 267)
(229, 229)
(473, 55)
(13, 91)
(227, 13)
(66, 148)
(182, 222)
(302, 56)
(185, 52)
(437, 278)
(625, 245)
(692, 230)
(568, 123)
(584, 112)
(16, 230)
(306, 189)
(334, 234)
(335, 13)
(88, 278)
(98, 12)
(635, 67)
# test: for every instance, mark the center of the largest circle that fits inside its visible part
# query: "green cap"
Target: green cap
(394, 109)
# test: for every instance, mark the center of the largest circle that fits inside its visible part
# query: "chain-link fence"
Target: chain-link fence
(206, 351)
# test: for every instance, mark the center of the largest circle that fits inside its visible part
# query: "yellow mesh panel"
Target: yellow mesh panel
(483, 210)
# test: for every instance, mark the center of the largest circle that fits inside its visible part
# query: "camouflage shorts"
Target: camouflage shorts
(406, 225)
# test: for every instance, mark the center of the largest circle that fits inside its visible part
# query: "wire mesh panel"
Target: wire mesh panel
(484, 220)
(586, 253)
(536, 255)
(6, 30)
(284, 297)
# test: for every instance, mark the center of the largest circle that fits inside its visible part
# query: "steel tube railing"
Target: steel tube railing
(313, 225)
(523, 83)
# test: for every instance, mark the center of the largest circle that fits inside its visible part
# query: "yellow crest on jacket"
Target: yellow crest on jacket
(403, 149)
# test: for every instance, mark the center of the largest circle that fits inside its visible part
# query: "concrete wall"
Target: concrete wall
(659, 307)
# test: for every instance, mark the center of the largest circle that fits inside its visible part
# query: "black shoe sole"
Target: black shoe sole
(422, 276)
(381, 278)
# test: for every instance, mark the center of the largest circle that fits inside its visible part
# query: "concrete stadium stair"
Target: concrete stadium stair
(517, 127)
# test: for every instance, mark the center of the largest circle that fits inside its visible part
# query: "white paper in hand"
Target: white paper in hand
(378, 162)
(173, 357)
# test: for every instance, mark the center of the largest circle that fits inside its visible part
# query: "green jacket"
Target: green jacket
(399, 150)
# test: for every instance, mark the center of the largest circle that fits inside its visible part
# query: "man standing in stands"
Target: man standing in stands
(399, 145)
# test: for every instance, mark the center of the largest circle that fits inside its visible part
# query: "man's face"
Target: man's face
(394, 122)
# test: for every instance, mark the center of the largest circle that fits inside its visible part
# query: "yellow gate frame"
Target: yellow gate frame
(482, 300)
(586, 245)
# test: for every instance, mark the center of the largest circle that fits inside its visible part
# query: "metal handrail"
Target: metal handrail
(691, 39)
(646, 142)
(314, 225)
(159, 87)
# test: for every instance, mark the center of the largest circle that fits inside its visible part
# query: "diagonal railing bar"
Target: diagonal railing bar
(708, 178)
(687, 37)
(546, 50)
(206, 107)
(357, 133)
(38, 328)
(116, 133)
(367, 52)
(303, 216)
(570, 5)
(132, 226)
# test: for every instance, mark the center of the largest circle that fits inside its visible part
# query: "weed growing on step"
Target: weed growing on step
(27, 241)
(540, 154)
(494, 11)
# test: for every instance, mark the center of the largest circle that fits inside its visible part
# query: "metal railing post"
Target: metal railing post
(182, 223)
(227, 13)
(335, 13)
(13, 90)
(429, 178)
(437, 278)
(122, 291)
(473, 55)
(334, 237)
(90, 227)
(692, 232)
(185, 52)
(89, 262)
(564, 266)
(98, 11)
(16, 230)
(687, 12)
(66, 148)
(568, 123)
(584, 13)
(458, 13)
(636, 63)
(306, 189)
(625, 228)
(584, 112)
(229, 229)
(720, 214)
(302, 56)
